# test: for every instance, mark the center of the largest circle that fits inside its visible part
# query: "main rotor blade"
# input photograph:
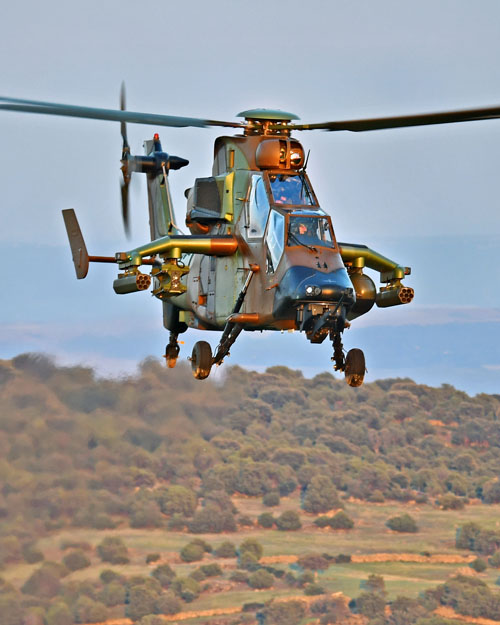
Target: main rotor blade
(68, 110)
(422, 119)
(123, 125)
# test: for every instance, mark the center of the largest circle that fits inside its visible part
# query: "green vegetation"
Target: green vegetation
(403, 523)
(125, 473)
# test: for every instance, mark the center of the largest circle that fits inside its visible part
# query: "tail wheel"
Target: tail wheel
(355, 367)
(201, 360)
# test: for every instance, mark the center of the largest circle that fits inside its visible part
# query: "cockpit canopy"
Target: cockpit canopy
(291, 190)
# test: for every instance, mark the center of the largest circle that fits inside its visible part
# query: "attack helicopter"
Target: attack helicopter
(261, 253)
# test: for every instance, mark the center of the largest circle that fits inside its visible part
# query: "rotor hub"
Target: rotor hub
(267, 122)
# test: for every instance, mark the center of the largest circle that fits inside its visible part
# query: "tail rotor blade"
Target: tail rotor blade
(125, 204)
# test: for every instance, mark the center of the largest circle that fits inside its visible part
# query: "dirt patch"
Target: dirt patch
(437, 558)
(446, 612)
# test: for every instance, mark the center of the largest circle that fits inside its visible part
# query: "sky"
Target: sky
(427, 197)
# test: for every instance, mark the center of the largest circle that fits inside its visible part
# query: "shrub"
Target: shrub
(59, 614)
(271, 499)
(31, 554)
(141, 601)
(226, 550)
(112, 549)
(451, 502)
(113, 594)
(211, 570)
(207, 547)
(253, 546)
(107, 576)
(152, 557)
(266, 520)
(313, 561)
(192, 552)
(341, 521)
(261, 579)
(322, 521)
(211, 519)
(321, 495)
(342, 558)
(45, 582)
(245, 521)
(494, 560)
(164, 574)
(177, 523)
(286, 613)
(288, 521)
(177, 500)
(239, 576)
(248, 561)
(403, 523)
(479, 565)
(168, 603)
(186, 588)
(314, 589)
(76, 560)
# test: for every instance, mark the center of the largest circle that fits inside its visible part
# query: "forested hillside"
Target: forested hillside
(163, 451)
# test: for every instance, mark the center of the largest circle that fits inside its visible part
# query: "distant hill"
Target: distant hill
(78, 450)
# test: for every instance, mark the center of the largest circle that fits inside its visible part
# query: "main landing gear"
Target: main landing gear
(353, 365)
(172, 350)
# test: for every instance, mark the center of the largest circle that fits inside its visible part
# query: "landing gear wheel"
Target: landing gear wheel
(171, 355)
(355, 367)
(201, 360)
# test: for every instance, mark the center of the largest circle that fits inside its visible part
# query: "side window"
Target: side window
(258, 208)
(275, 239)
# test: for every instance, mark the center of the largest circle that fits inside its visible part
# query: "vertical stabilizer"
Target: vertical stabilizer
(161, 211)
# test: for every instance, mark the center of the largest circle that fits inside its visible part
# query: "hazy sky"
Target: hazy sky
(417, 195)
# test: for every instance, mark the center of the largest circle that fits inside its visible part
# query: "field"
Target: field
(374, 550)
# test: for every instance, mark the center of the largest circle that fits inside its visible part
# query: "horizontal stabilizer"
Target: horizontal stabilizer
(76, 242)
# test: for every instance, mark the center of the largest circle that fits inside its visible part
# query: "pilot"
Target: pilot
(299, 227)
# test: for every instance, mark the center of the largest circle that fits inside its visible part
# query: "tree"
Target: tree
(271, 499)
(331, 610)
(261, 579)
(186, 588)
(11, 611)
(265, 520)
(341, 521)
(168, 603)
(405, 611)
(313, 561)
(313, 589)
(164, 574)
(288, 521)
(192, 552)
(112, 549)
(253, 546)
(59, 614)
(321, 495)
(44, 582)
(212, 519)
(141, 601)
(225, 550)
(374, 583)
(286, 613)
(479, 565)
(403, 523)
(86, 610)
(112, 594)
(177, 500)
(370, 604)
(76, 560)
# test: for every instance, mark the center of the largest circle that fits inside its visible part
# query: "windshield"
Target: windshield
(291, 189)
(309, 231)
